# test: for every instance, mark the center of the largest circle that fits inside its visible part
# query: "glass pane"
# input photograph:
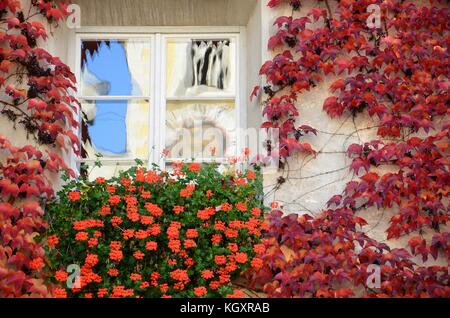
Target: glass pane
(115, 68)
(200, 67)
(116, 129)
(194, 128)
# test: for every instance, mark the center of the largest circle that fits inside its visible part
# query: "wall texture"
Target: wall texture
(166, 12)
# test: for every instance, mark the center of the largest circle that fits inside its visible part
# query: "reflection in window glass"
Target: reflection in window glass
(199, 67)
(116, 129)
(193, 128)
(115, 68)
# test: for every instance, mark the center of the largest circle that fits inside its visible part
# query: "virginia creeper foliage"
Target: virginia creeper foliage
(396, 73)
(35, 94)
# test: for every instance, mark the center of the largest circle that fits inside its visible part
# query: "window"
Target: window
(142, 94)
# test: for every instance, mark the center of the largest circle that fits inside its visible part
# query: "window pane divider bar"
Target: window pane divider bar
(113, 97)
(201, 98)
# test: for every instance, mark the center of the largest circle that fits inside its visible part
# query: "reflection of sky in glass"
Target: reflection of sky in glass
(108, 131)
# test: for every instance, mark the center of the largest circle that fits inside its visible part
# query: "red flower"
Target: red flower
(220, 259)
(81, 236)
(100, 180)
(180, 275)
(189, 244)
(74, 196)
(178, 209)
(36, 263)
(154, 209)
(146, 194)
(241, 206)
(191, 233)
(257, 263)
(60, 293)
(135, 277)
(259, 249)
(113, 272)
(91, 260)
(195, 167)
(114, 200)
(200, 291)
(61, 276)
(251, 175)
(209, 193)
(174, 245)
(236, 294)
(216, 238)
(116, 255)
(241, 258)
(207, 274)
(105, 210)
(138, 255)
(52, 241)
(92, 242)
(256, 212)
(151, 246)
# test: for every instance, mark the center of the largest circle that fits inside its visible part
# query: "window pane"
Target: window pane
(200, 67)
(116, 129)
(193, 128)
(115, 68)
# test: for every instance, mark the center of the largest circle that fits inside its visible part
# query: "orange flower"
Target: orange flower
(216, 238)
(172, 232)
(188, 191)
(111, 189)
(220, 259)
(151, 246)
(146, 194)
(52, 241)
(87, 224)
(138, 255)
(180, 275)
(174, 245)
(92, 242)
(61, 276)
(200, 291)
(257, 263)
(154, 209)
(155, 230)
(100, 180)
(191, 233)
(135, 277)
(116, 220)
(164, 288)
(144, 285)
(36, 263)
(259, 249)
(91, 260)
(147, 219)
(116, 255)
(105, 210)
(127, 234)
(115, 245)
(214, 285)
(195, 167)
(230, 233)
(141, 234)
(219, 226)
(74, 196)
(209, 193)
(178, 209)
(102, 292)
(240, 181)
(241, 258)
(60, 293)
(226, 207)
(113, 272)
(251, 175)
(256, 212)
(236, 294)
(114, 200)
(207, 274)
(233, 247)
(189, 244)
(241, 206)
(81, 236)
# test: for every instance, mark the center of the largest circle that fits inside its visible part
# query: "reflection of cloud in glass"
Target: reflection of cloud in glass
(193, 128)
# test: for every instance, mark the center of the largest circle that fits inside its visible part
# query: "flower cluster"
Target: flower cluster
(184, 233)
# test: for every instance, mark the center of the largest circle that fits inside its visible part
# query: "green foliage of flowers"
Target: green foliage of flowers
(153, 233)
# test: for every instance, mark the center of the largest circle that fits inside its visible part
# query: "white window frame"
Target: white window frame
(158, 98)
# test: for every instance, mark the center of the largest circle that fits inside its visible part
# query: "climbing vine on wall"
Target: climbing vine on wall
(35, 95)
(397, 73)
